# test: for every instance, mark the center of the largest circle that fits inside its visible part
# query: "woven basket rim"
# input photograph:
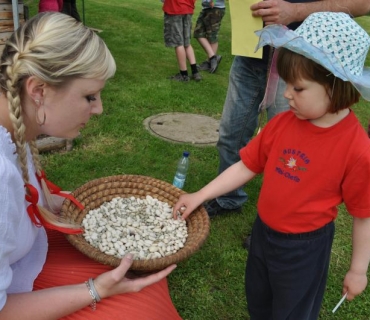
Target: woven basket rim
(95, 192)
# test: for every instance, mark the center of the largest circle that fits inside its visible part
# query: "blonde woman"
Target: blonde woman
(53, 70)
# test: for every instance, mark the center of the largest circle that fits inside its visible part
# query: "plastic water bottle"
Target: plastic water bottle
(182, 170)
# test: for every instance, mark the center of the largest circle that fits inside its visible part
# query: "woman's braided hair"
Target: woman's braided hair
(55, 48)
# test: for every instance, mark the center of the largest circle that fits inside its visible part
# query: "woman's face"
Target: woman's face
(69, 108)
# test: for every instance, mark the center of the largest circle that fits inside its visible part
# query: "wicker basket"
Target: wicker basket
(94, 193)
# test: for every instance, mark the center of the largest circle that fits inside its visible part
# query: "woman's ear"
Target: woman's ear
(35, 88)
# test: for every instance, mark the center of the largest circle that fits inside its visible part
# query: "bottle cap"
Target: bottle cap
(186, 154)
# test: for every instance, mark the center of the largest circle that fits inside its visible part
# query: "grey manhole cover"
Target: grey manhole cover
(184, 127)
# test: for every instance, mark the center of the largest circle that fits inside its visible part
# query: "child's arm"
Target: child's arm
(355, 280)
(229, 180)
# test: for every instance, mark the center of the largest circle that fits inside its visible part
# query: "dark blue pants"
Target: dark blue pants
(286, 274)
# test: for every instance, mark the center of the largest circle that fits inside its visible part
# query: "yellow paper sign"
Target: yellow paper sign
(243, 25)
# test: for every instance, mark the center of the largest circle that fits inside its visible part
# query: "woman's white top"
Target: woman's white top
(23, 246)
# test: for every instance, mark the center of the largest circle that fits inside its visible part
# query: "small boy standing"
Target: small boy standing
(206, 32)
(177, 34)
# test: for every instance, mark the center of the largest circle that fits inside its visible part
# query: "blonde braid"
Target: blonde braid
(35, 156)
(37, 163)
(15, 113)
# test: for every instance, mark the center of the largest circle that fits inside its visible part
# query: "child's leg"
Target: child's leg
(193, 64)
(296, 267)
(257, 285)
(190, 54)
(200, 33)
(181, 57)
(213, 25)
(174, 37)
(212, 22)
(214, 47)
(207, 47)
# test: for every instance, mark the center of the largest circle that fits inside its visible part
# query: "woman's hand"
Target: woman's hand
(116, 282)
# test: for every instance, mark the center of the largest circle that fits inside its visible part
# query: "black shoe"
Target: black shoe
(247, 242)
(196, 76)
(180, 78)
(214, 209)
(204, 66)
(214, 62)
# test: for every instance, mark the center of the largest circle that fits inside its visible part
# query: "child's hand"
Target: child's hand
(186, 204)
(354, 283)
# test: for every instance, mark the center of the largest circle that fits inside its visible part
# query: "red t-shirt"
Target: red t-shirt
(308, 171)
(179, 6)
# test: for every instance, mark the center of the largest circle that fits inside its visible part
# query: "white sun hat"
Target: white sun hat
(331, 39)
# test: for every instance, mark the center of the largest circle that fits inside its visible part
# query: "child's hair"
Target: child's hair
(293, 66)
(55, 48)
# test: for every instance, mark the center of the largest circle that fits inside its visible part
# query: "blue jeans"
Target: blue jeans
(247, 82)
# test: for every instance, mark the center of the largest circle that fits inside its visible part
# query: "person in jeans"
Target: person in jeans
(206, 32)
(177, 34)
(247, 83)
(313, 157)
(70, 8)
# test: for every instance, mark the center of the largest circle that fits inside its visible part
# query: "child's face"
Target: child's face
(308, 100)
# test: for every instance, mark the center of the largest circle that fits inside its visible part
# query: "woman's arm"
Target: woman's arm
(55, 303)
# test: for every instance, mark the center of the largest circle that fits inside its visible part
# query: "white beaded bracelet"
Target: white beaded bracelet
(93, 293)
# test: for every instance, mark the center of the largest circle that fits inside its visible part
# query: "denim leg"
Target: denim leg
(247, 82)
(281, 104)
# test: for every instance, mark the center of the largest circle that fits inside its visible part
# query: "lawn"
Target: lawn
(209, 285)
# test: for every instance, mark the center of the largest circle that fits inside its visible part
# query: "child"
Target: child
(314, 157)
(206, 32)
(177, 34)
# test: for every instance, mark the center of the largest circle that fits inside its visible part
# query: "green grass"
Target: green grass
(209, 285)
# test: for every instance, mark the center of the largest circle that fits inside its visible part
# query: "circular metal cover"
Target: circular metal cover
(184, 128)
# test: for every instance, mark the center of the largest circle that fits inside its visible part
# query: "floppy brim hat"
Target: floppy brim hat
(333, 40)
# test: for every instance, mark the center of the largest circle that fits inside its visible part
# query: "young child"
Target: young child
(314, 157)
(177, 34)
(206, 32)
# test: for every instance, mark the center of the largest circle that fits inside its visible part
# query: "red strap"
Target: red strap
(32, 196)
(54, 189)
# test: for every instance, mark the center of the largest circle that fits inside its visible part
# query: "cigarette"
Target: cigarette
(340, 302)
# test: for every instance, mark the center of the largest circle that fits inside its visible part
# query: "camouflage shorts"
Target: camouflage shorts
(209, 23)
(177, 29)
